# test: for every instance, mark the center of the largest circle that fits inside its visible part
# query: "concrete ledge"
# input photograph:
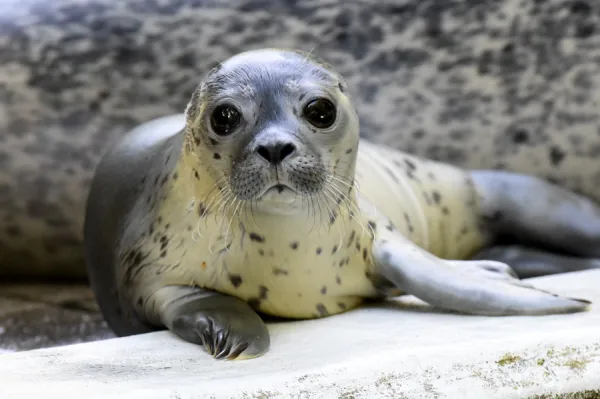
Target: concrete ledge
(402, 350)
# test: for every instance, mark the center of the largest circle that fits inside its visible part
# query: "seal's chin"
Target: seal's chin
(279, 199)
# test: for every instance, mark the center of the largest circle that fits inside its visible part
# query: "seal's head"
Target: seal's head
(275, 128)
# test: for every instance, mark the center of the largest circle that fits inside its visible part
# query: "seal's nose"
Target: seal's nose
(276, 152)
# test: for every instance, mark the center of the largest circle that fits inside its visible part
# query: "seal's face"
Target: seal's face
(278, 130)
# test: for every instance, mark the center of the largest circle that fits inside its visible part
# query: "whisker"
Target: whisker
(338, 224)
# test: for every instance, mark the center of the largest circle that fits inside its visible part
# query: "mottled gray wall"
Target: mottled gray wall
(463, 81)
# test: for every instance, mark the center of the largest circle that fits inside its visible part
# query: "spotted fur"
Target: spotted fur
(301, 255)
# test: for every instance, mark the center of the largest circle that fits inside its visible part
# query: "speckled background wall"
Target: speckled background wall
(446, 79)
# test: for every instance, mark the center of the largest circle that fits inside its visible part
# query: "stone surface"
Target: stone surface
(461, 81)
(402, 350)
(36, 316)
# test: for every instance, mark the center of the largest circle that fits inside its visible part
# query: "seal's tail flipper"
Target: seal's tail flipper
(535, 212)
(458, 286)
(530, 262)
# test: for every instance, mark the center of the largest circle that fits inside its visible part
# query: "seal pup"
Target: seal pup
(267, 201)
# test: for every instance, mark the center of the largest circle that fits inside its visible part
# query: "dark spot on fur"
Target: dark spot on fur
(349, 150)
(341, 305)
(445, 210)
(321, 309)
(164, 180)
(365, 254)
(319, 250)
(175, 176)
(213, 141)
(235, 279)
(372, 225)
(324, 290)
(216, 155)
(201, 209)
(410, 164)
(334, 249)
(256, 237)
(262, 292)
(390, 227)
(332, 217)
(351, 239)
(279, 272)
(196, 175)
(261, 252)
(140, 301)
(437, 197)
(338, 280)
(392, 174)
(427, 198)
(164, 241)
(294, 245)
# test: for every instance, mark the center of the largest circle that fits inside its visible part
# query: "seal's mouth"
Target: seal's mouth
(279, 189)
(278, 193)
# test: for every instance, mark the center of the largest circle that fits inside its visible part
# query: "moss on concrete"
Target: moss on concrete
(508, 359)
(589, 394)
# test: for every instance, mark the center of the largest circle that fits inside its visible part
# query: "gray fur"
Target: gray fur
(113, 206)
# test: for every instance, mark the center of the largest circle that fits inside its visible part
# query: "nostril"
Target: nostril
(276, 153)
(264, 152)
(286, 151)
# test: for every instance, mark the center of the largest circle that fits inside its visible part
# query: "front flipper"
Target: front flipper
(530, 262)
(227, 327)
(443, 284)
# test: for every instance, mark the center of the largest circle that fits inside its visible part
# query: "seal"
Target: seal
(265, 200)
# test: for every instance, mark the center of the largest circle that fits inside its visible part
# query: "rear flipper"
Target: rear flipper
(528, 262)
(464, 286)
(538, 214)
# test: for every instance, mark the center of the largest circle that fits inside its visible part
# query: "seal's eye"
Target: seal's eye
(320, 112)
(224, 119)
